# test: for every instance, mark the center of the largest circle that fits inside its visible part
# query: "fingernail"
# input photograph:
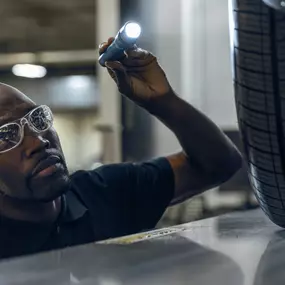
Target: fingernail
(102, 44)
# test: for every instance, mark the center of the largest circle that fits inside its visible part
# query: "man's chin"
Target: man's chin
(47, 189)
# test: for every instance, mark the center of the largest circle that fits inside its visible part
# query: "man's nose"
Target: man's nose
(34, 142)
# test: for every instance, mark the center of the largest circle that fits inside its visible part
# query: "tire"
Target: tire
(259, 82)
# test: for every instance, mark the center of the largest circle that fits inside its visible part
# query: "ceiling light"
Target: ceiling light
(29, 70)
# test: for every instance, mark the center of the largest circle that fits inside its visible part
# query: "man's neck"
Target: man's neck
(30, 211)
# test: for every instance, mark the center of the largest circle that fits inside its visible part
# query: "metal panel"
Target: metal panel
(236, 249)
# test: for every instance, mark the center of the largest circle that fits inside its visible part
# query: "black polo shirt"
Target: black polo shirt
(110, 201)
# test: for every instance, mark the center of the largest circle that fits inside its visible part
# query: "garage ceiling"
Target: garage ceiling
(46, 25)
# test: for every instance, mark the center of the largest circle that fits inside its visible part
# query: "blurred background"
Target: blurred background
(48, 50)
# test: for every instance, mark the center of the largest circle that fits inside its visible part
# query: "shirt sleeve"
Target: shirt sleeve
(144, 190)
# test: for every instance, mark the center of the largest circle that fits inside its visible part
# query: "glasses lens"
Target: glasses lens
(10, 136)
(41, 118)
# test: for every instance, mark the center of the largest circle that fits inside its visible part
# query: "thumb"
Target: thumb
(119, 74)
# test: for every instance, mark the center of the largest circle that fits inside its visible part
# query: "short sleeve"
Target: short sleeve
(141, 190)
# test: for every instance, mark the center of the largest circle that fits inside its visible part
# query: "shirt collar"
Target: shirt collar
(72, 208)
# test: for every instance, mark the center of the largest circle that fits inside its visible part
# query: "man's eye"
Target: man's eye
(9, 133)
(6, 134)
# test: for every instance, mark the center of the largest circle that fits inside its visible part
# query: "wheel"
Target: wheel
(259, 80)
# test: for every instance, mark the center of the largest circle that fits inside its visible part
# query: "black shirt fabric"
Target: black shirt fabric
(110, 201)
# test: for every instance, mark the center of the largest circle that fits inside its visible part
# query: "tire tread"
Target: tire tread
(259, 79)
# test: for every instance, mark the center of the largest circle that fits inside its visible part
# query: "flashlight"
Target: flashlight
(125, 39)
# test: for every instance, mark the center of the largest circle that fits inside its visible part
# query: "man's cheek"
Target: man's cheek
(12, 186)
(12, 168)
(12, 173)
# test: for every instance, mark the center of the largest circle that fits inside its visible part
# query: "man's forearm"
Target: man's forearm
(202, 141)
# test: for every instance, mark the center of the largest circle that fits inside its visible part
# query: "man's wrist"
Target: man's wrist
(162, 105)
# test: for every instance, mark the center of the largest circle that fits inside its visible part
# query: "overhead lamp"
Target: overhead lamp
(29, 70)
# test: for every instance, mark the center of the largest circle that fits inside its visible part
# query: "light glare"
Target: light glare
(133, 30)
(29, 70)
(78, 81)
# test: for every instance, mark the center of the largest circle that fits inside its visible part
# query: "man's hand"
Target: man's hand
(138, 75)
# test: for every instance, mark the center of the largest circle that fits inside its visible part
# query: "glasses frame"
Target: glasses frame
(21, 122)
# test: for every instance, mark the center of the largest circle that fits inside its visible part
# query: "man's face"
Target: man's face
(35, 170)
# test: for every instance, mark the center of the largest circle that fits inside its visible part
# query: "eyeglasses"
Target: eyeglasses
(39, 120)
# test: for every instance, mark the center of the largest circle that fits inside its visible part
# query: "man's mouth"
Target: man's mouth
(47, 166)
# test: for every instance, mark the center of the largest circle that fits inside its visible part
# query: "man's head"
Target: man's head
(35, 170)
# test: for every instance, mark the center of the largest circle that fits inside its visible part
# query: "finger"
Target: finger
(136, 53)
(103, 46)
(110, 40)
(112, 74)
(120, 76)
(137, 57)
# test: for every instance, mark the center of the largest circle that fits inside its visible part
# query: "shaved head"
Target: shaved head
(17, 164)
(12, 100)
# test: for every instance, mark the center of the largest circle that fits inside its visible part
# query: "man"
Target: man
(43, 208)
